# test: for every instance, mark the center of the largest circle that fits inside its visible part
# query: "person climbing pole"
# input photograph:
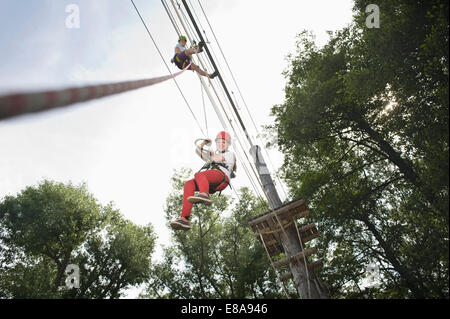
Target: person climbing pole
(183, 56)
(213, 177)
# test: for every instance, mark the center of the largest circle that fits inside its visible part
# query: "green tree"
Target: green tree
(219, 257)
(364, 130)
(48, 227)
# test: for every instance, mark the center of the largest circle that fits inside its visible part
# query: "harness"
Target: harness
(219, 188)
(210, 164)
(177, 59)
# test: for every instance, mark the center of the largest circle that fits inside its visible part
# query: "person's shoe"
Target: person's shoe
(180, 223)
(213, 75)
(200, 198)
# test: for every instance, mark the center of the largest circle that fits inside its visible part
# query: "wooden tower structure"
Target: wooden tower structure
(284, 237)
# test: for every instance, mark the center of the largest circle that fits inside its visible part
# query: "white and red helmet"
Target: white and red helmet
(225, 136)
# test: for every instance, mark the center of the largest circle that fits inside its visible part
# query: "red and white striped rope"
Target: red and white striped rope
(21, 103)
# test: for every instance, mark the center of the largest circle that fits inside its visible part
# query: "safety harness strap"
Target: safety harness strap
(214, 165)
(185, 61)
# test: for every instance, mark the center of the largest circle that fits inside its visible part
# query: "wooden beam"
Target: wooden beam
(270, 242)
(306, 239)
(306, 227)
(286, 276)
(274, 249)
(299, 204)
(301, 254)
(272, 217)
(308, 232)
(266, 225)
(315, 264)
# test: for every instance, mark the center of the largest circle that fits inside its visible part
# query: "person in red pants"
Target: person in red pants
(215, 178)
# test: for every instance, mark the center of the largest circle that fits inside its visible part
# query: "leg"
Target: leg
(189, 189)
(197, 69)
(205, 178)
(183, 221)
(190, 52)
(197, 50)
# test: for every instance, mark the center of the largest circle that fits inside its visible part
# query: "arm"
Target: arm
(204, 154)
(215, 158)
(207, 141)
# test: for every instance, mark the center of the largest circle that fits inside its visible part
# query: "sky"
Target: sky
(126, 147)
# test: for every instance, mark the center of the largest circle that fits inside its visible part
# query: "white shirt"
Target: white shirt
(230, 160)
(179, 46)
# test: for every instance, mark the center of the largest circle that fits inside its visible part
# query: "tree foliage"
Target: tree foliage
(46, 228)
(219, 257)
(364, 131)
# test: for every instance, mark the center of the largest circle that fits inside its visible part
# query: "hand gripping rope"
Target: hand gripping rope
(205, 154)
(21, 103)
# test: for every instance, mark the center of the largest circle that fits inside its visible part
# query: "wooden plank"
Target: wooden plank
(286, 276)
(274, 253)
(274, 250)
(284, 222)
(315, 264)
(303, 228)
(276, 228)
(306, 239)
(261, 227)
(271, 242)
(283, 209)
(301, 214)
(300, 255)
(308, 232)
(273, 246)
(298, 204)
(269, 238)
(266, 232)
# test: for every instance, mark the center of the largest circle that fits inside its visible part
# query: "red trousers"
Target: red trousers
(202, 182)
